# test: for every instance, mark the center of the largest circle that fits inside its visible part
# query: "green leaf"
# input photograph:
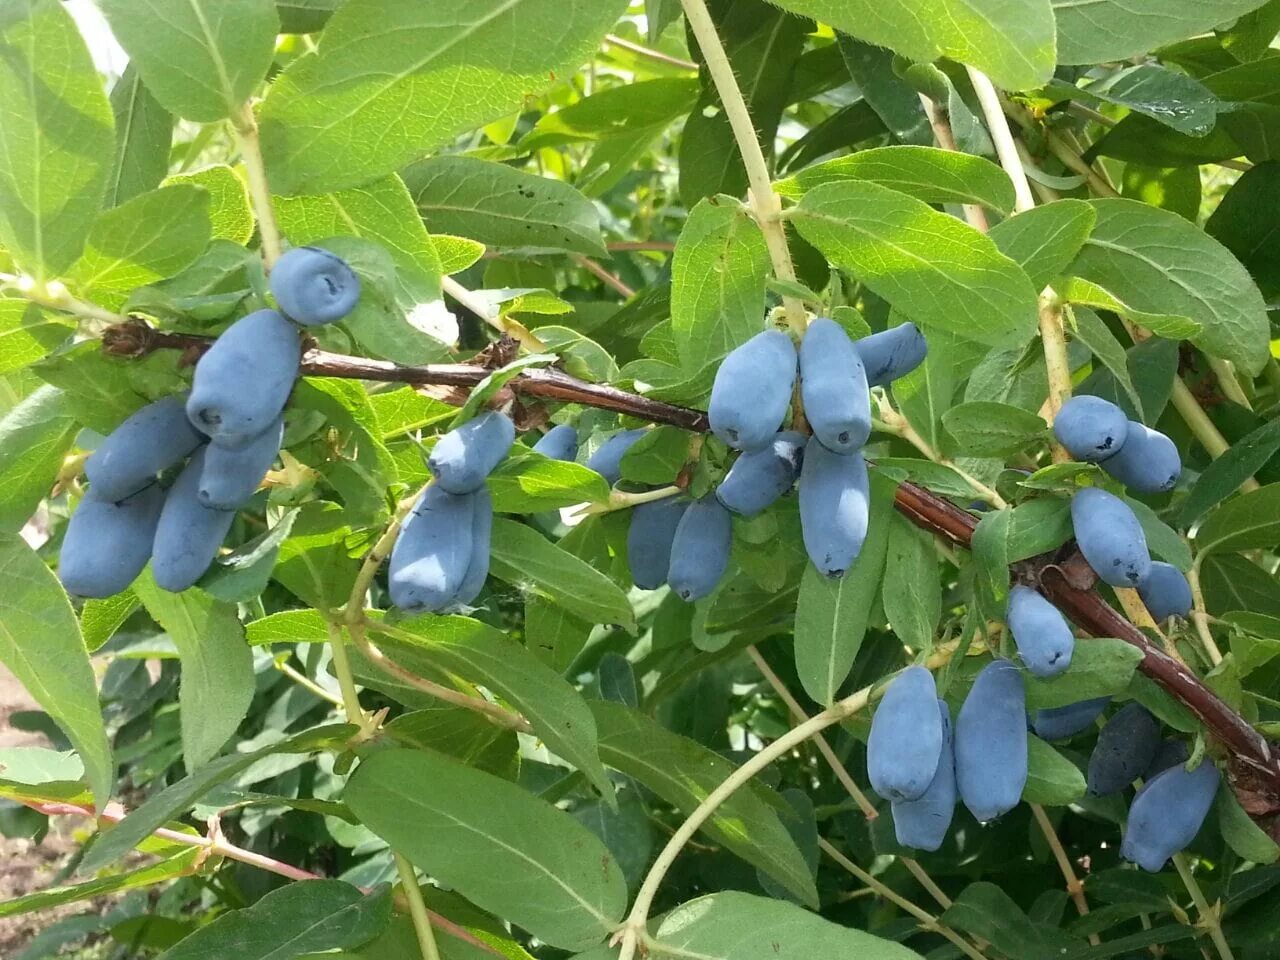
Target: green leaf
(56, 136)
(287, 626)
(525, 558)
(1168, 97)
(28, 333)
(554, 635)
(739, 926)
(1006, 536)
(1159, 263)
(483, 655)
(100, 619)
(718, 276)
(657, 457)
(306, 916)
(1102, 343)
(1237, 583)
(230, 213)
(456, 253)
(179, 860)
(912, 594)
(1163, 540)
(201, 58)
(463, 734)
(1012, 42)
(832, 615)
(40, 643)
(1100, 667)
(175, 799)
(1247, 522)
(1223, 476)
(34, 438)
(1246, 838)
(615, 112)
(929, 265)
(500, 847)
(382, 212)
(144, 131)
(987, 911)
(926, 173)
(1240, 223)
(436, 70)
(151, 237)
(762, 45)
(1099, 30)
(884, 91)
(503, 208)
(217, 667)
(1052, 779)
(1173, 326)
(580, 356)
(528, 483)
(982, 428)
(682, 772)
(313, 563)
(1044, 240)
(1152, 365)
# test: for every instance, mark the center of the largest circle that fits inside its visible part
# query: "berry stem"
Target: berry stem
(417, 909)
(1208, 915)
(245, 126)
(1075, 889)
(765, 204)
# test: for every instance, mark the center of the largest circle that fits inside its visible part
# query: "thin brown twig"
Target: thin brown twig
(1255, 767)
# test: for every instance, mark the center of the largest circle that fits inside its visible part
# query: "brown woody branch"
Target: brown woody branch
(1254, 767)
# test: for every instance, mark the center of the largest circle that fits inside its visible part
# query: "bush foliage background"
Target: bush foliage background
(1066, 197)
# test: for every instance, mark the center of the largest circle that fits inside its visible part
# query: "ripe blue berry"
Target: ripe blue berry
(752, 391)
(1148, 462)
(149, 441)
(1167, 813)
(314, 286)
(1126, 744)
(1165, 592)
(1110, 537)
(991, 742)
(649, 539)
(231, 477)
(906, 737)
(834, 505)
(759, 477)
(700, 549)
(189, 533)
(833, 386)
(922, 823)
(1092, 429)
(892, 353)
(462, 459)
(559, 443)
(243, 381)
(1044, 638)
(107, 543)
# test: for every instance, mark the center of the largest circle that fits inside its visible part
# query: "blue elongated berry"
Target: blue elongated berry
(833, 385)
(1167, 813)
(991, 742)
(314, 286)
(1092, 429)
(107, 542)
(189, 534)
(649, 539)
(700, 549)
(607, 460)
(150, 440)
(752, 391)
(464, 456)
(433, 552)
(1058, 723)
(759, 477)
(1165, 592)
(1125, 747)
(481, 535)
(1148, 462)
(559, 443)
(906, 737)
(1110, 537)
(232, 476)
(834, 504)
(892, 353)
(1045, 641)
(1170, 752)
(243, 381)
(922, 823)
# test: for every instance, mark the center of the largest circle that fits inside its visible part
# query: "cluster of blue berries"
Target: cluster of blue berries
(687, 545)
(228, 431)
(917, 762)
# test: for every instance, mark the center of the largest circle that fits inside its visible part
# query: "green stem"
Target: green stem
(1208, 916)
(245, 126)
(346, 678)
(417, 909)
